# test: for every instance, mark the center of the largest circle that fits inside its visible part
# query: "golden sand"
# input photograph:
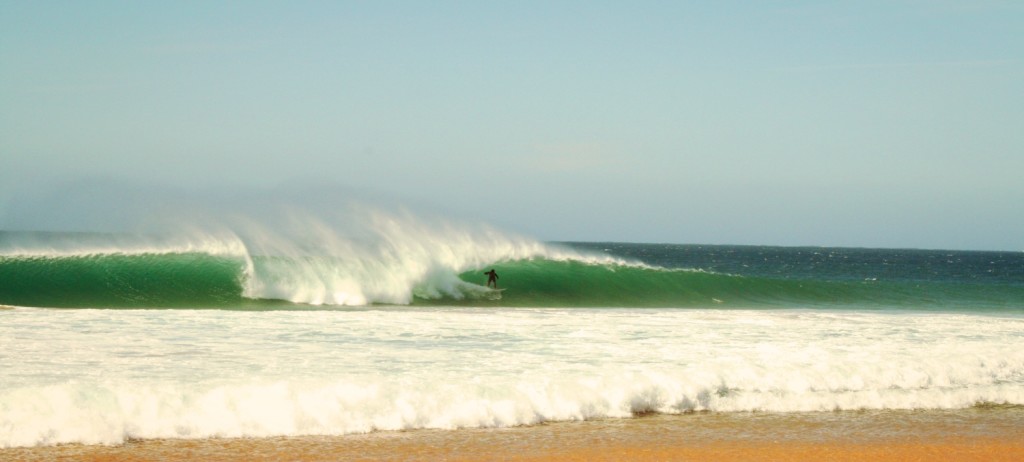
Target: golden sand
(982, 435)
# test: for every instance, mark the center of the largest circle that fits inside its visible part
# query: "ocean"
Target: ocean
(115, 337)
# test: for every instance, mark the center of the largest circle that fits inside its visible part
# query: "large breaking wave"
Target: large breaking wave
(395, 259)
(434, 272)
(337, 251)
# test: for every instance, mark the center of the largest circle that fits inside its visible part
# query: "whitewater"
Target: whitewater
(106, 376)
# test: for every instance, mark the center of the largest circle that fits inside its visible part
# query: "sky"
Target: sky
(831, 123)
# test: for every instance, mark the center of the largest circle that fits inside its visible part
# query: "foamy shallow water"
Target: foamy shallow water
(102, 376)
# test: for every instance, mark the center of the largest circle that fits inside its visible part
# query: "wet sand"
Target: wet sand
(989, 434)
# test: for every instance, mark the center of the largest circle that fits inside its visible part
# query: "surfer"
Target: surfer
(492, 277)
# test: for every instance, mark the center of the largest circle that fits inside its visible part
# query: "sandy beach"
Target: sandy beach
(989, 434)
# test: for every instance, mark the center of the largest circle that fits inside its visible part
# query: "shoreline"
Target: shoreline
(988, 433)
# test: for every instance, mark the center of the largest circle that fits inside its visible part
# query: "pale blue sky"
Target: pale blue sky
(857, 123)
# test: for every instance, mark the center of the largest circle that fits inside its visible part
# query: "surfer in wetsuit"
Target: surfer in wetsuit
(492, 277)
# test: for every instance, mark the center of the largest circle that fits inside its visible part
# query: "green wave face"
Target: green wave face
(573, 283)
(114, 280)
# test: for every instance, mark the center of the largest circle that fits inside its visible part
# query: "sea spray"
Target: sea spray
(395, 254)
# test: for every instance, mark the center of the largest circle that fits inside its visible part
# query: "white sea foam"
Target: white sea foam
(102, 376)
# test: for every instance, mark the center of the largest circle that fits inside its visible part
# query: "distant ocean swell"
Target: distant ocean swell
(556, 279)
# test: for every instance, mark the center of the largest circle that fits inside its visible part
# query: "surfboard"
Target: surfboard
(493, 294)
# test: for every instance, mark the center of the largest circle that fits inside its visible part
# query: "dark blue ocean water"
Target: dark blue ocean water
(830, 263)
